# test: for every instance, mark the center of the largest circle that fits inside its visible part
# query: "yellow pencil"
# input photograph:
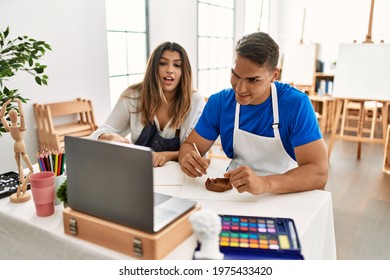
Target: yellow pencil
(55, 162)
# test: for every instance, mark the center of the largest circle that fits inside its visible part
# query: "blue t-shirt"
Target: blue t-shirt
(298, 124)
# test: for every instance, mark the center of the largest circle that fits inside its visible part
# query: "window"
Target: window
(256, 16)
(127, 43)
(215, 44)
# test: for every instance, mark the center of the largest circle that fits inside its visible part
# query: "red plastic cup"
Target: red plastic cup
(42, 188)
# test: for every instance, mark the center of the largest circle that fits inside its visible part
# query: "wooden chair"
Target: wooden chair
(358, 133)
(368, 112)
(55, 120)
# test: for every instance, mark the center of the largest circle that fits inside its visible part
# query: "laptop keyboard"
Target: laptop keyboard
(161, 214)
(9, 183)
(160, 198)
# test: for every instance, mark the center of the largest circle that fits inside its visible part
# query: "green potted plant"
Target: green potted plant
(19, 54)
(62, 193)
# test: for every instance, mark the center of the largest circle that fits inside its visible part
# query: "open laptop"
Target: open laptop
(114, 182)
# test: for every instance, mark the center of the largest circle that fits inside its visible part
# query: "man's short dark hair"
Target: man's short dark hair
(260, 48)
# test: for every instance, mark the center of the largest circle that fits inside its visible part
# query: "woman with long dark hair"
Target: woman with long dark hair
(160, 111)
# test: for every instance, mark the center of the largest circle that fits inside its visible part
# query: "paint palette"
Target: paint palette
(9, 183)
(248, 237)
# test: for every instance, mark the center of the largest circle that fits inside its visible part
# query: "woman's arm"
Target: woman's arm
(117, 125)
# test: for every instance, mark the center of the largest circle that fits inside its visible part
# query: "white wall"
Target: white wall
(328, 23)
(176, 21)
(77, 66)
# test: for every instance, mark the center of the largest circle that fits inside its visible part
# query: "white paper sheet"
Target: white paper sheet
(169, 174)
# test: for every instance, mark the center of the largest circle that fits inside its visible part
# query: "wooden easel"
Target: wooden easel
(303, 26)
(369, 33)
(342, 104)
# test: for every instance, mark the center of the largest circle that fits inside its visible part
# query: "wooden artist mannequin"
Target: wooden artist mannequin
(17, 130)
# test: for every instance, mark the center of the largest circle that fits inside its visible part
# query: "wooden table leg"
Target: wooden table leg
(386, 158)
(385, 117)
(324, 115)
(339, 105)
(344, 118)
(360, 128)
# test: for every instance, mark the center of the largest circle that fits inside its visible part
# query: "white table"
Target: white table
(24, 235)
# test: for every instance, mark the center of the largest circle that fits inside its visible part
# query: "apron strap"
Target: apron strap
(275, 110)
(236, 121)
(177, 133)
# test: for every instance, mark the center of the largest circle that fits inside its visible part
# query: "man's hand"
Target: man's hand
(194, 165)
(244, 179)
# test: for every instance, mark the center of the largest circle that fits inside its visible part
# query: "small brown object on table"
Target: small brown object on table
(218, 185)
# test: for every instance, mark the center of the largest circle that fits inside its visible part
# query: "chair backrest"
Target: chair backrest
(55, 120)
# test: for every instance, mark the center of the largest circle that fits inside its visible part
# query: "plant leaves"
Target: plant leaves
(6, 32)
(38, 80)
(24, 100)
(19, 54)
(38, 70)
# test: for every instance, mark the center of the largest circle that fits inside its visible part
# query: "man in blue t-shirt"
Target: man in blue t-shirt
(268, 129)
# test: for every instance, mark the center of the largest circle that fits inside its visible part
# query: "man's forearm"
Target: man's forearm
(303, 178)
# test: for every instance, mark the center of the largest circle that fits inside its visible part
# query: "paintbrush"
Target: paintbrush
(196, 149)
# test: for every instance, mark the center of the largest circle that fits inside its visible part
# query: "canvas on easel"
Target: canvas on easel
(363, 71)
(361, 76)
(299, 64)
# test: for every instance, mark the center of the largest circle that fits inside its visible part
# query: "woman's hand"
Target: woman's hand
(113, 137)
(161, 158)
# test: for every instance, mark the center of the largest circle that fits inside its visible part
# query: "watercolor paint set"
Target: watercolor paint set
(249, 237)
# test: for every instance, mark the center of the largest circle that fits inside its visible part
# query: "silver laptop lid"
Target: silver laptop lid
(110, 180)
(114, 181)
